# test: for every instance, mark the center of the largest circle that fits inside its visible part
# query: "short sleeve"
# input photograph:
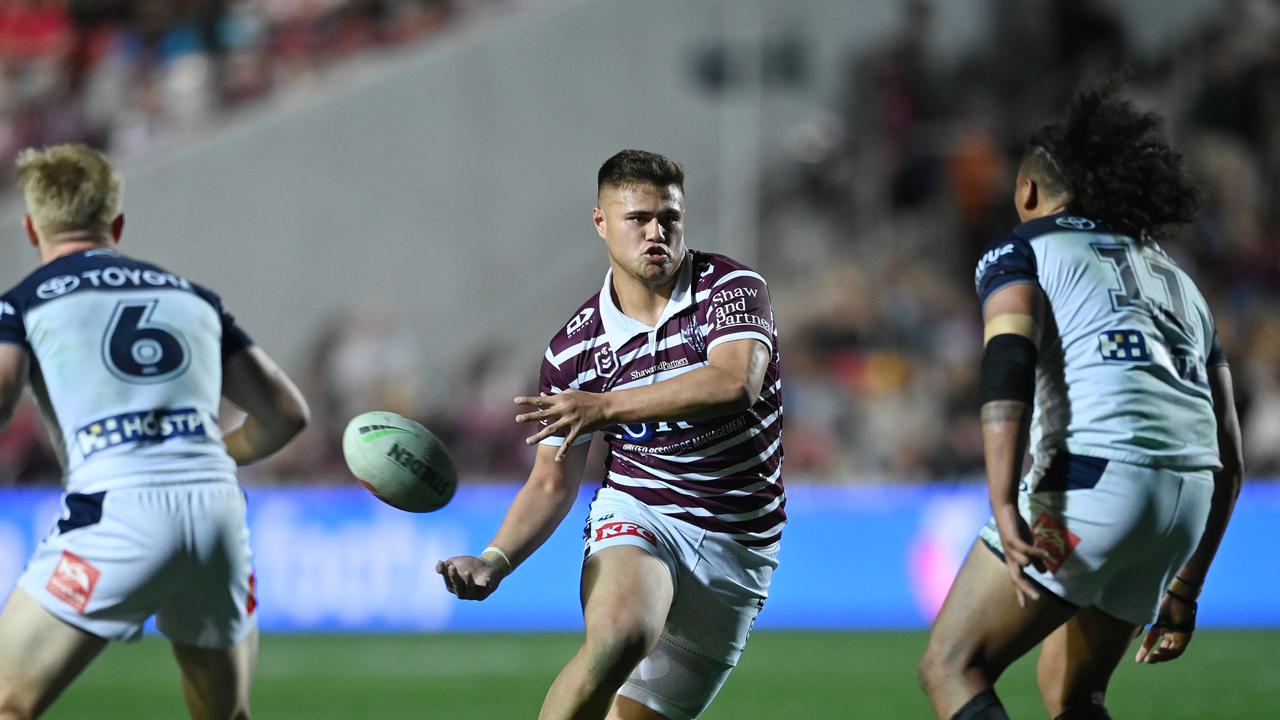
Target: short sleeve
(1009, 260)
(12, 328)
(1217, 356)
(234, 338)
(738, 308)
(552, 379)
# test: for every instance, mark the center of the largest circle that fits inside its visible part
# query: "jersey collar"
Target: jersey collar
(619, 327)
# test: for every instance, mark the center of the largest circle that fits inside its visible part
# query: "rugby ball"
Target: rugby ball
(399, 461)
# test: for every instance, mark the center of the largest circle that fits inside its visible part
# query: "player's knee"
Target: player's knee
(621, 644)
(937, 664)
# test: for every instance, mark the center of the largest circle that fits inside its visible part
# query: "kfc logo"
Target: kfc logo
(618, 529)
(73, 581)
(606, 362)
(1051, 535)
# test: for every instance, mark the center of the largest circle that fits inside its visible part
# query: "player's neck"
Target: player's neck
(69, 243)
(640, 301)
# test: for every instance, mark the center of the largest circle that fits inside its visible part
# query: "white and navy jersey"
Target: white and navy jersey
(721, 474)
(1125, 352)
(127, 368)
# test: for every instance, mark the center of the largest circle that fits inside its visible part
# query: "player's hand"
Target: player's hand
(1169, 636)
(574, 412)
(1019, 551)
(470, 577)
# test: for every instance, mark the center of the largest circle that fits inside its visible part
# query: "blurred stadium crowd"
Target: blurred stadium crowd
(873, 219)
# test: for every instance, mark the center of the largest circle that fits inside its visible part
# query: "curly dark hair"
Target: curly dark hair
(1112, 160)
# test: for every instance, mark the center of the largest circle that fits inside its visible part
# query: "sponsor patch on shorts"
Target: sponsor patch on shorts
(619, 529)
(1051, 535)
(73, 581)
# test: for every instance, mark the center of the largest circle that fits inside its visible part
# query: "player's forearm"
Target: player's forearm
(255, 439)
(707, 392)
(537, 511)
(1004, 440)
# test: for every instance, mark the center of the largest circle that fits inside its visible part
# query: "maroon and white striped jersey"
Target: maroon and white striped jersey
(722, 474)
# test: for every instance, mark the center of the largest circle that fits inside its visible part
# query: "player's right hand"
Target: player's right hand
(1169, 636)
(469, 577)
(1019, 551)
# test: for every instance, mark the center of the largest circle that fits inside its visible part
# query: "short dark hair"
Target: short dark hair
(1111, 159)
(639, 167)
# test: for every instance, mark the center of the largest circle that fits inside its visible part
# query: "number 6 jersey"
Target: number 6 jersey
(1126, 347)
(126, 367)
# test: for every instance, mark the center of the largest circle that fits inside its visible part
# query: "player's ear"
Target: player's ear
(117, 227)
(30, 227)
(597, 219)
(1028, 195)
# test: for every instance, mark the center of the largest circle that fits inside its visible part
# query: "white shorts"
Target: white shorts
(1117, 533)
(720, 588)
(179, 552)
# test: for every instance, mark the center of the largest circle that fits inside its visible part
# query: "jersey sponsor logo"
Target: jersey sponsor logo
(579, 321)
(56, 286)
(73, 581)
(146, 427)
(1075, 223)
(1123, 346)
(7, 309)
(608, 531)
(687, 445)
(988, 259)
(1051, 535)
(663, 366)
(710, 268)
(606, 361)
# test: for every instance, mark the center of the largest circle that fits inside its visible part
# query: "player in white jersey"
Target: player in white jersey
(675, 361)
(128, 363)
(1135, 443)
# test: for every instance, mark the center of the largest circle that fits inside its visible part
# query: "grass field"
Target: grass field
(1227, 675)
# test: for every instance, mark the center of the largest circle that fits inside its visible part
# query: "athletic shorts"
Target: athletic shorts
(1116, 533)
(179, 552)
(720, 587)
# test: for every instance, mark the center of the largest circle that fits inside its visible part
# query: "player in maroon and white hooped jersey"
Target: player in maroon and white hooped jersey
(674, 362)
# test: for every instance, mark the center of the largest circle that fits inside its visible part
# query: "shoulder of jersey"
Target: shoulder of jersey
(1060, 223)
(83, 271)
(709, 268)
(584, 324)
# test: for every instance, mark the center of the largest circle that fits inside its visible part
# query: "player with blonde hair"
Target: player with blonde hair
(128, 363)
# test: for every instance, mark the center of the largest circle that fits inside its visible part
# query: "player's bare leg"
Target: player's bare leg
(216, 681)
(980, 630)
(1076, 663)
(39, 656)
(626, 595)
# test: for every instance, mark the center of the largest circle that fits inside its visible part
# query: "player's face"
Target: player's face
(643, 230)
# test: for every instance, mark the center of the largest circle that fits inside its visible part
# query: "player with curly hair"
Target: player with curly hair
(1106, 352)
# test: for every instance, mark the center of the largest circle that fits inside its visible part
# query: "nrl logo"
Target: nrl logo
(1076, 223)
(606, 362)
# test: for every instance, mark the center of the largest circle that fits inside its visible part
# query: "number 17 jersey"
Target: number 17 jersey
(1126, 347)
(126, 367)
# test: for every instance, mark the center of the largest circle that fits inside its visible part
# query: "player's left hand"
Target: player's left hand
(575, 412)
(1169, 636)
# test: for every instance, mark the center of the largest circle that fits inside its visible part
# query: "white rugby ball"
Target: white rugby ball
(399, 461)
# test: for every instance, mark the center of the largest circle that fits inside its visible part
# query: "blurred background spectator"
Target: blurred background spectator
(885, 199)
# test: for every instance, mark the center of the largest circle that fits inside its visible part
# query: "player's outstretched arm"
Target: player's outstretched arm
(1011, 330)
(276, 411)
(1169, 636)
(730, 382)
(538, 509)
(14, 365)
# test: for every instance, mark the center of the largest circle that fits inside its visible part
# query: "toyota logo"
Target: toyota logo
(1076, 223)
(61, 285)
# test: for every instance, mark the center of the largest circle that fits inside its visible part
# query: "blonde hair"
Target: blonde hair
(70, 187)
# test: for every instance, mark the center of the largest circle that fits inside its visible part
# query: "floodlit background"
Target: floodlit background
(394, 198)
